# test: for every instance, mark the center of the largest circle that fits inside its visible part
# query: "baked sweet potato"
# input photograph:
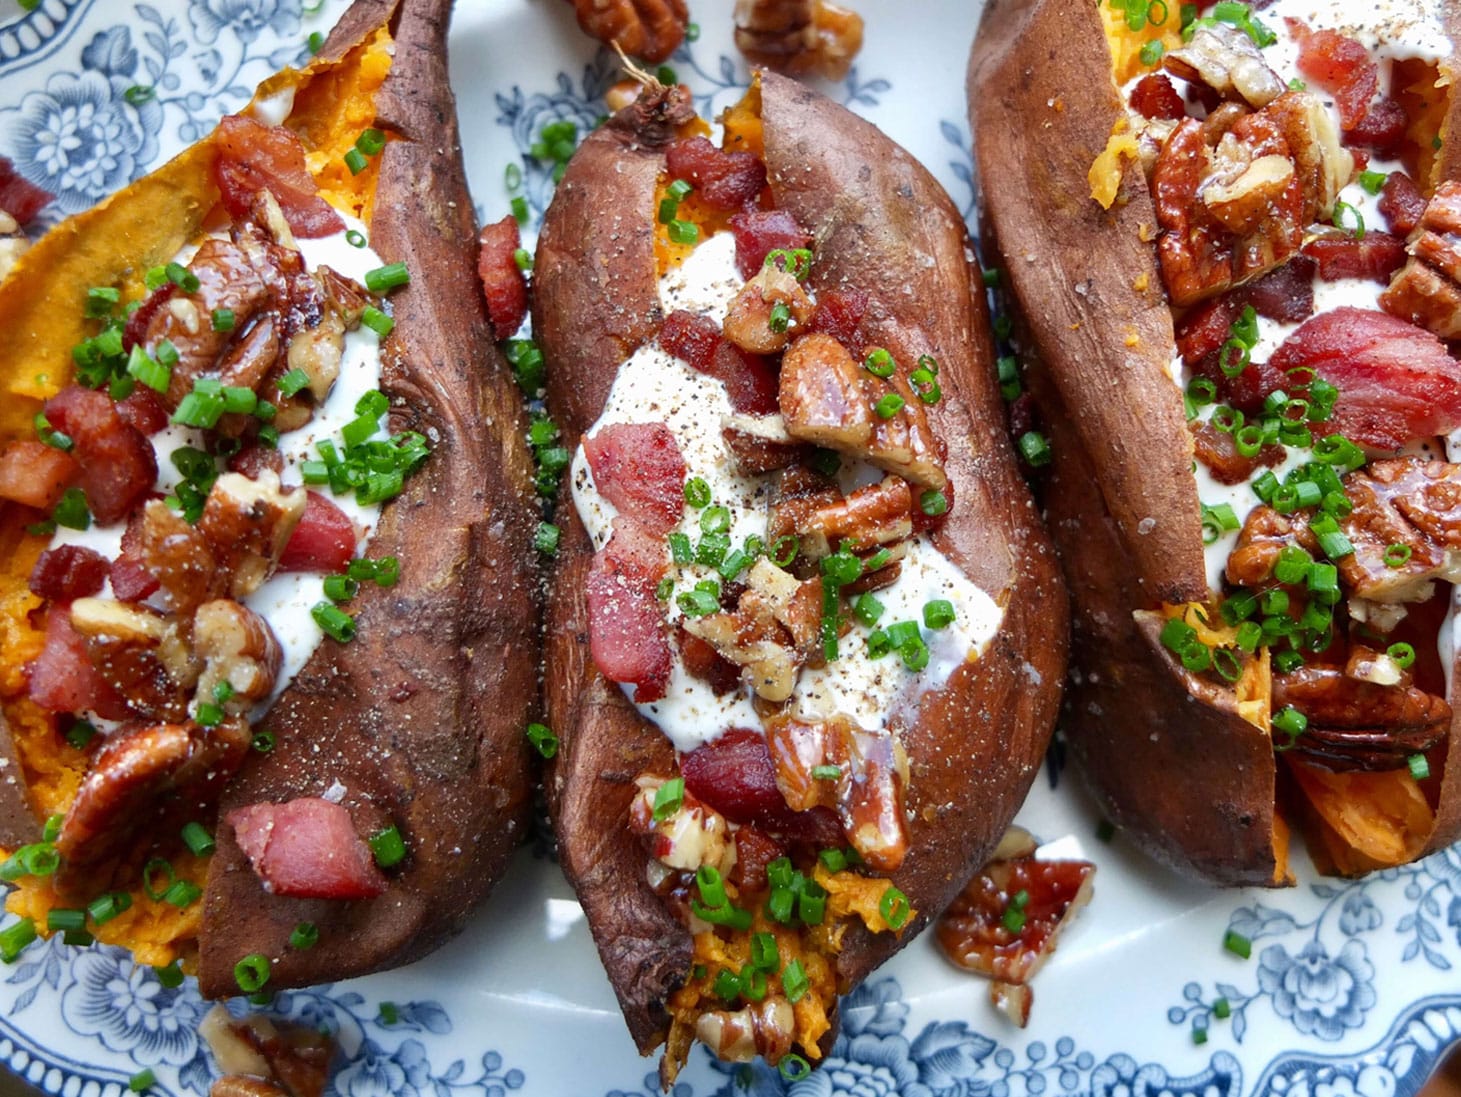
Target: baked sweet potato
(326, 682)
(813, 290)
(1186, 234)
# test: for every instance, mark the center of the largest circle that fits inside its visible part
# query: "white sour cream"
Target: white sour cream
(655, 387)
(284, 601)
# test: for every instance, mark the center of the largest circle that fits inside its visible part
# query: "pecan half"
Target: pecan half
(824, 395)
(1226, 60)
(798, 37)
(1405, 528)
(752, 322)
(248, 523)
(648, 29)
(765, 1028)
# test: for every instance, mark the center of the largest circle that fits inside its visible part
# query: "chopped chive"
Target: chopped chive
(543, 740)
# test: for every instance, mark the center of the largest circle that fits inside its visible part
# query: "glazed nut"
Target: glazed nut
(765, 1029)
(1226, 59)
(103, 618)
(755, 324)
(238, 648)
(823, 395)
(648, 29)
(799, 37)
(1241, 204)
(248, 523)
(317, 352)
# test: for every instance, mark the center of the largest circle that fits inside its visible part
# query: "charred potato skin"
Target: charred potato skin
(421, 717)
(874, 214)
(1166, 756)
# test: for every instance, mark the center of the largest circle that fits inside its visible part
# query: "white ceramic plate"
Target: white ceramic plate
(1351, 988)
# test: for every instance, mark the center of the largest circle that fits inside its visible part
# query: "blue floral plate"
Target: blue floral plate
(1350, 988)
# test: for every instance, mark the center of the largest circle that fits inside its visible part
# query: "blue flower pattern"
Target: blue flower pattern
(90, 131)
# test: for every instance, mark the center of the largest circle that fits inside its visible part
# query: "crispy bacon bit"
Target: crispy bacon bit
(131, 581)
(1383, 128)
(68, 571)
(143, 411)
(324, 539)
(799, 37)
(760, 232)
(626, 624)
(839, 312)
(254, 157)
(135, 769)
(1155, 97)
(62, 677)
(1343, 255)
(974, 934)
(723, 180)
(878, 514)
(1341, 66)
(638, 468)
(1428, 290)
(503, 282)
(1285, 294)
(19, 197)
(704, 662)
(1396, 382)
(733, 774)
(1249, 389)
(1405, 501)
(1401, 203)
(1203, 329)
(691, 337)
(1218, 451)
(754, 851)
(118, 465)
(307, 848)
(254, 459)
(34, 474)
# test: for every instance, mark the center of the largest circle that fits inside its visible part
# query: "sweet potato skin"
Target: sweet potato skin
(421, 717)
(883, 225)
(1167, 757)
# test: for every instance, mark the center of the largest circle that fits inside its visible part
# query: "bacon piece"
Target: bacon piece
(1219, 452)
(307, 848)
(690, 337)
(638, 468)
(1396, 381)
(626, 623)
(35, 474)
(1401, 203)
(62, 677)
(1342, 255)
(723, 180)
(117, 463)
(1341, 66)
(704, 662)
(67, 572)
(324, 540)
(132, 581)
(1155, 97)
(1285, 294)
(1382, 128)
(143, 411)
(734, 775)
(1249, 389)
(19, 197)
(503, 282)
(1205, 327)
(253, 157)
(254, 459)
(754, 851)
(760, 232)
(839, 312)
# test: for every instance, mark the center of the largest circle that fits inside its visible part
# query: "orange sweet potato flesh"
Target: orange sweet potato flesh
(883, 225)
(421, 717)
(1166, 754)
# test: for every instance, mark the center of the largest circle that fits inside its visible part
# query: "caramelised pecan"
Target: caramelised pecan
(767, 312)
(798, 37)
(248, 523)
(1330, 698)
(1427, 290)
(1226, 60)
(1265, 534)
(261, 1057)
(647, 29)
(1234, 201)
(1405, 528)
(764, 1028)
(1218, 450)
(136, 768)
(237, 648)
(824, 395)
(139, 653)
